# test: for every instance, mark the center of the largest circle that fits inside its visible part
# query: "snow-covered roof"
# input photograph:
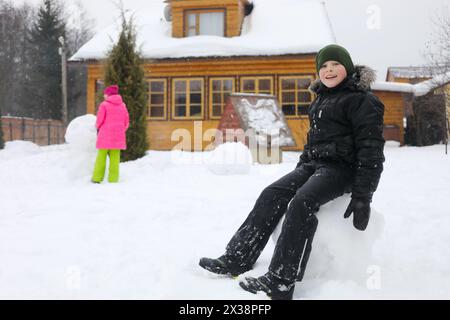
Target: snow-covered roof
(419, 89)
(412, 72)
(273, 28)
(393, 86)
(422, 88)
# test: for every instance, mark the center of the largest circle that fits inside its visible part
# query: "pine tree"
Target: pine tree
(124, 68)
(45, 78)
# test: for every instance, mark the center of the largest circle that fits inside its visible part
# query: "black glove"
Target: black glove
(361, 213)
(302, 159)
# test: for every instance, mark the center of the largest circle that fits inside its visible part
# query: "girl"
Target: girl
(344, 152)
(112, 124)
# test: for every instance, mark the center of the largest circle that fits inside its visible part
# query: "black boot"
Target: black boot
(222, 265)
(275, 288)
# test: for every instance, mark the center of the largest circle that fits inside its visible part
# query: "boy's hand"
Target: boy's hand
(361, 213)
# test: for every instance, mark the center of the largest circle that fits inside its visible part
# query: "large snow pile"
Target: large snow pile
(62, 236)
(81, 132)
(17, 149)
(81, 137)
(339, 251)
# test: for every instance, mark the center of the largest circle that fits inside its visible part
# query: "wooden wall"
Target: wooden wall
(394, 103)
(160, 131)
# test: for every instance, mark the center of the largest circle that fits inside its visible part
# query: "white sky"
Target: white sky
(379, 33)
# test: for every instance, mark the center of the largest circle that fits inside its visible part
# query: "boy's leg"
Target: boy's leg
(248, 242)
(294, 244)
(100, 165)
(114, 163)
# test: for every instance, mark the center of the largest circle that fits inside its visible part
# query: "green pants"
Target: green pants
(100, 165)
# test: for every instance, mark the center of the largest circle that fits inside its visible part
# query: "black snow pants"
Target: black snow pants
(299, 194)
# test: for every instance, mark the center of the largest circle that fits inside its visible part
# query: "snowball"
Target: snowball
(229, 158)
(340, 251)
(18, 149)
(81, 137)
(21, 147)
(81, 132)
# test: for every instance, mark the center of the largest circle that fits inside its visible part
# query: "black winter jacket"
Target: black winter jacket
(346, 126)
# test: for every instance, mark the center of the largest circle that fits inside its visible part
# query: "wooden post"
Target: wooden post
(57, 133)
(48, 133)
(34, 131)
(23, 128)
(62, 52)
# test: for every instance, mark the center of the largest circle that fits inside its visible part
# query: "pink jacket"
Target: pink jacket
(112, 122)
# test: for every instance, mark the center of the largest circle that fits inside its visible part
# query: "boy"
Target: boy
(344, 151)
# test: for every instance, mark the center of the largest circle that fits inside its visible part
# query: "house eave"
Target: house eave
(196, 58)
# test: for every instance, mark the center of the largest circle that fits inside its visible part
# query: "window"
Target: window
(187, 99)
(258, 85)
(205, 22)
(219, 90)
(295, 97)
(157, 98)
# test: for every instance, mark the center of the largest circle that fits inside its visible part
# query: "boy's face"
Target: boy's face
(331, 73)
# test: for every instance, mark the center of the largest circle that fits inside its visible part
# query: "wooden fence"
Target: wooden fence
(41, 132)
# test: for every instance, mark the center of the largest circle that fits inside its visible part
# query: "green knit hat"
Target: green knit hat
(336, 53)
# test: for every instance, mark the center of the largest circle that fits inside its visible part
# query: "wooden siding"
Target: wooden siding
(161, 134)
(160, 131)
(177, 22)
(394, 106)
(223, 67)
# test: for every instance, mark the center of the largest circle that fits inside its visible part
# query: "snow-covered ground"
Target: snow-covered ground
(63, 237)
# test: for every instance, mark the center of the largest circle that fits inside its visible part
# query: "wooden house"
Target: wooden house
(412, 75)
(197, 52)
(423, 77)
(427, 102)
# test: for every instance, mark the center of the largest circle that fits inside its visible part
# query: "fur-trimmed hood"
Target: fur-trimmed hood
(360, 80)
